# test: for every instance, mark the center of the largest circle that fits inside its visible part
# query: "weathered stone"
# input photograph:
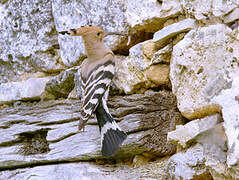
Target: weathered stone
(46, 132)
(128, 77)
(188, 165)
(163, 55)
(76, 92)
(184, 135)
(158, 74)
(138, 57)
(28, 39)
(31, 89)
(204, 160)
(226, 99)
(87, 170)
(214, 143)
(234, 15)
(195, 76)
(205, 9)
(151, 15)
(62, 84)
(162, 36)
(135, 73)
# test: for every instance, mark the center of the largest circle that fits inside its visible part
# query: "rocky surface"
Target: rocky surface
(31, 89)
(162, 36)
(195, 76)
(185, 135)
(28, 39)
(186, 48)
(227, 99)
(36, 133)
(84, 170)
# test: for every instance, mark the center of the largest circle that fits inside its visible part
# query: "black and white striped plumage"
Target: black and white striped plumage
(97, 72)
(96, 90)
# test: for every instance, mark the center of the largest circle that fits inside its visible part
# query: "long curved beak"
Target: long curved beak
(115, 33)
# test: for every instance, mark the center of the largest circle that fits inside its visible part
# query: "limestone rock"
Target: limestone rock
(206, 159)
(136, 72)
(214, 143)
(188, 165)
(87, 170)
(158, 74)
(227, 100)
(162, 36)
(46, 132)
(62, 84)
(202, 10)
(139, 13)
(163, 55)
(28, 39)
(186, 134)
(128, 77)
(195, 76)
(30, 89)
(76, 92)
(234, 15)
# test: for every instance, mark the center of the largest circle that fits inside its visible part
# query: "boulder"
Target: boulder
(205, 159)
(188, 164)
(28, 40)
(150, 15)
(136, 72)
(227, 99)
(185, 135)
(195, 76)
(31, 89)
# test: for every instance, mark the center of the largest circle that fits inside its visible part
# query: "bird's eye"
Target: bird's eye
(98, 33)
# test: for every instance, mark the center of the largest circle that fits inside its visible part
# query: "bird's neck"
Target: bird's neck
(95, 50)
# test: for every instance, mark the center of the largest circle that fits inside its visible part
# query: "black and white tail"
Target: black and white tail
(111, 134)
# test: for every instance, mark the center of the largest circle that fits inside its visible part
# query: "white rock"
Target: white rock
(128, 77)
(186, 134)
(202, 9)
(27, 37)
(29, 90)
(230, 111)
(234, 15)
(172, 30)
(201, 66)
(140, 11)
(187, 165)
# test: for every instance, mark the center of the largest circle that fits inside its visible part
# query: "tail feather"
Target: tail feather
(111, 134)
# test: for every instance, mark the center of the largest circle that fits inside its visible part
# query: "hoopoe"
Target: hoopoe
(97, 72)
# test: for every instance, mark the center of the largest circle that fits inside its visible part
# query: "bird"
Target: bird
(97, 73)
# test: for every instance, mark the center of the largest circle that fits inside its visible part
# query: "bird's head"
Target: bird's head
(89, 32)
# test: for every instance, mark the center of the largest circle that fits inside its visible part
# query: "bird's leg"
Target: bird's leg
(81, 125)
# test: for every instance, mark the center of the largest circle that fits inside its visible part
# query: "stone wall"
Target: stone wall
(176, 92)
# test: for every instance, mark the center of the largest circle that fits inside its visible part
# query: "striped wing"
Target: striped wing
(95, 86)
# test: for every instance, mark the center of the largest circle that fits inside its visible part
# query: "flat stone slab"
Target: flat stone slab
(30, 89)
(46, 132)
(185, 134)
(87, 170)
(161, 36)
